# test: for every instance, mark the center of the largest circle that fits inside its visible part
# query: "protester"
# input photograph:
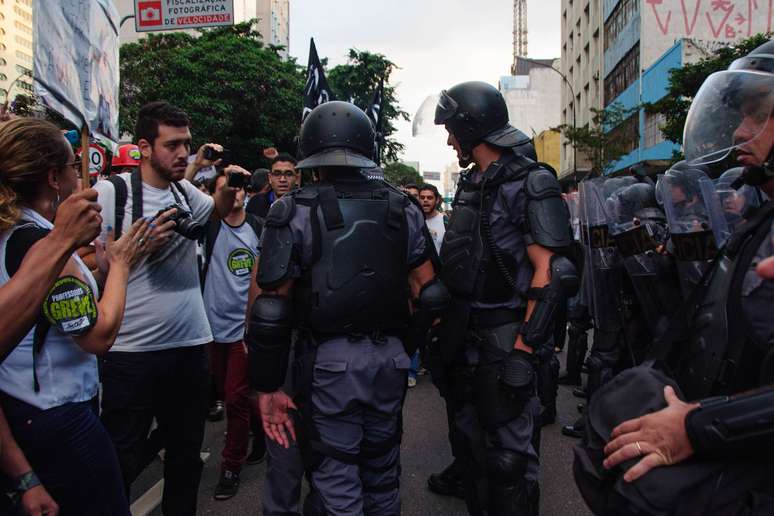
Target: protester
(158, 366)
(412, 190)
(259, 202)
(431, 200)
(126, 160)
(232, 246)
(48, 383)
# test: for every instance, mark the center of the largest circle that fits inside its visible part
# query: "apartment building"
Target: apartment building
(16, 47)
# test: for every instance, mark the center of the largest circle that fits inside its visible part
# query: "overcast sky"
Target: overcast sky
(436, 43)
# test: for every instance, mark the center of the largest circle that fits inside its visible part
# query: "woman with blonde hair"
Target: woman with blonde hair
(49, 381)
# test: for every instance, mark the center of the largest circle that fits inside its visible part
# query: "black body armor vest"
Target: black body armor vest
(358, 281)
(474, 267)
(723, 356)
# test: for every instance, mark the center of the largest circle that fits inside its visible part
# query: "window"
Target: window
(653, 124)
(623, 13)
(23, 28)
(3, 77)
(21, 56)
(23, 42)
(623, 75)
(628, 133)
(23, 71)
(3, 62)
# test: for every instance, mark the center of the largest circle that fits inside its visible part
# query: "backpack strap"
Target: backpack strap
(119, 185)
(213, 230)
(136, 181)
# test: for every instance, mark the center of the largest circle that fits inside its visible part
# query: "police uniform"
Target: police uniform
(718, 347)
(497, 213)
(348, 244)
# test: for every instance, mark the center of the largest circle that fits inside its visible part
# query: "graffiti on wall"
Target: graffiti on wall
(710, 19)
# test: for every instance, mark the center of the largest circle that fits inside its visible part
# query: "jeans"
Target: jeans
(172, 386)
(414, 365)
(229, 366)
(70, 451)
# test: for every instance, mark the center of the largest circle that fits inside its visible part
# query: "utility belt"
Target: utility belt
(313, 450)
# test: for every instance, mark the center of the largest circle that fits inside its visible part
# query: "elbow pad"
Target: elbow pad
(563, 285)
(433, 298)
(731, 427)
(268, 342)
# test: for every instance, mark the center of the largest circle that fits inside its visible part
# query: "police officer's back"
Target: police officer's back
(340, 260)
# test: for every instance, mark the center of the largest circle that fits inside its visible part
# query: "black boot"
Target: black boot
(575, 430)
(447, 482)
(522, 499)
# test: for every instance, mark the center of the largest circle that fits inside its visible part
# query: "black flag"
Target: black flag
(316, 91)
(375, 114)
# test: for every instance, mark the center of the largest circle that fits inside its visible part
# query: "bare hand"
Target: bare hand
(275, 407)
(236, 169)
(659, 438)
(131, 247)
(766, 268)
(200, 162)
(270, 153)
(37, 502)
(77, 219)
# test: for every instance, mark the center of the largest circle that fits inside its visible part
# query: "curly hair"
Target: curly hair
(29, 148)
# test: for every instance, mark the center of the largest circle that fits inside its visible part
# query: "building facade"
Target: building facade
(643, 41)
(16, 47)
(273, 20)
(533, 95)
(582, 67)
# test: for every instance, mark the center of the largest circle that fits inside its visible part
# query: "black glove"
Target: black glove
(517, 373)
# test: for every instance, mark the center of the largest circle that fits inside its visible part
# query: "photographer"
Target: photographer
(48, 383)
(231, 248)
(158, 367)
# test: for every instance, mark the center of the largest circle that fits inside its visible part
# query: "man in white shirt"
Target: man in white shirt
(430, 199)
(158, 365)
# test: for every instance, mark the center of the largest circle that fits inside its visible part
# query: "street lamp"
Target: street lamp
(575, 127)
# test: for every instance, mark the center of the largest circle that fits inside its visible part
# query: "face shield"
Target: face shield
(731, 109)
(446, 108)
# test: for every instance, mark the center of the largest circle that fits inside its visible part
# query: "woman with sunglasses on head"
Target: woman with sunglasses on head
(49, 382)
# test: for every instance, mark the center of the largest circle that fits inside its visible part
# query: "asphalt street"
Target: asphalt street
(425, 450)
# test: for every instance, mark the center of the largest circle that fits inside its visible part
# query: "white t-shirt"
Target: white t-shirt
(228, 280)
(437, 230)
(164, 306)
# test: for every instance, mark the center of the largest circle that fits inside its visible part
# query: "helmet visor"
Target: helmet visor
(445, 109)
(731, 109)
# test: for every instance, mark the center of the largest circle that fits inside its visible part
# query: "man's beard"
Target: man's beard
(164, 172)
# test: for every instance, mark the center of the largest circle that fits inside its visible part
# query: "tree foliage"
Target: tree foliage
(357, 80)
(236, 91)
(685, 82)
(400, 174)
(599, 141)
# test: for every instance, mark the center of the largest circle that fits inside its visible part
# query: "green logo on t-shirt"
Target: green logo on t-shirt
(70, 306)
(240, 262)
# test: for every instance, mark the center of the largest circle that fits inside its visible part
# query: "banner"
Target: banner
(316, 91)
(76, 62)
(374, 112)
(152, 15)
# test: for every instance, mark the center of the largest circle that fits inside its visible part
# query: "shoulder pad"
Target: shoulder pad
(281, 212)
(274, 266)
(548, 219)
(542, 184)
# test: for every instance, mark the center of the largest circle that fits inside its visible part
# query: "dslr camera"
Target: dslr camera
(185, 225)
(212, 154)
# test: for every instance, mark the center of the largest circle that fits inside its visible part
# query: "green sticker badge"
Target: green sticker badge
(240, 262)
(70, 306)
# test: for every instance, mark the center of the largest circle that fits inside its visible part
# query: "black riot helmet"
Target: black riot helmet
(475, 112)
(337, 134)
(734, 108)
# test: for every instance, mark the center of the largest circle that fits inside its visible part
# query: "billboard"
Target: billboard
(153, 15)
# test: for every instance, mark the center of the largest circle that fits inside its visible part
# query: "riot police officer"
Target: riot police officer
(340, 260)
(504, 262)
(722, 351)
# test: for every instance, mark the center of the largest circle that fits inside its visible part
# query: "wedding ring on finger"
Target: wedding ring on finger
(639, 448)
(141, 241)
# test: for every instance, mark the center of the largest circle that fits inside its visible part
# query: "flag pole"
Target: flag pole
(85, 160)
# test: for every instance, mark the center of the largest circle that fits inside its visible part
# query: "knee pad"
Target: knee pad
(505, 467)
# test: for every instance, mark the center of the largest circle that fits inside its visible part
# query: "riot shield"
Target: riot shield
(603, 264)
(736, 201)
(639, 228)
(697, 225)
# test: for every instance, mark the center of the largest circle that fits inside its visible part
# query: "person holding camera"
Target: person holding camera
(158, 367)
(231, 248)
